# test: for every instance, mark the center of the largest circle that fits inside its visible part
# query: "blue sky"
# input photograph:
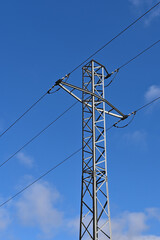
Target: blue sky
(41, 41)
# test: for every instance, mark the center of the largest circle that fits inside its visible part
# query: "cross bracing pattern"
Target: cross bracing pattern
(95, 212)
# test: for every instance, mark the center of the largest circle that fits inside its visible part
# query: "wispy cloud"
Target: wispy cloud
(136, 137)
(73, 224)
(136, 3)
(37, 208)
(129, 225)
(153, 15)
(142, 5)
(152, 92)
(25, 159)
(154, 212)
(4, 219)
(133, 226)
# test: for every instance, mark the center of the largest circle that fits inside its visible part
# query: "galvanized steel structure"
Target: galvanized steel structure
(95, 220)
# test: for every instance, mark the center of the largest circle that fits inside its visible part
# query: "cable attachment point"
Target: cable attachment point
(124, 117)
(58, 82)
(61, 79)
(66, 76)
(134, 113)
(115, 71)
(109, 74)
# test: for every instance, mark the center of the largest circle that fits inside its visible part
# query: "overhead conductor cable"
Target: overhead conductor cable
(100, 49)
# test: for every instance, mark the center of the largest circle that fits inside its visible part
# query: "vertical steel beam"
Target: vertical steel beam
(95, 229)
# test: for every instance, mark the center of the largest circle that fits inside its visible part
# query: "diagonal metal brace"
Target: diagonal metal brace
(60, 83)
(80, 100)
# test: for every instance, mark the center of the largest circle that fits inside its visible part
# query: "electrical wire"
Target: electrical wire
(146, 105)
(39, 178)
(114, 77)
(54, 91)
(114, 125)
(37, 135)
(53, 168)
(45, 174)
(139, 54)
(49, 91)
(119, 34)
(129, 61)
(33, 105)
(126, 125)
(134, 113)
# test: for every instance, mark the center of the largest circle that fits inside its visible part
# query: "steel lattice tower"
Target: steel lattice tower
(95, 220)
(95, 211)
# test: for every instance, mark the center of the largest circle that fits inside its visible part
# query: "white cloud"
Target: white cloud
(134, 225)
(125, 237)
(142, 5)
(154, 14)
(74, 224)
(24, 159)
(130, 225)
(4, 219)
(138, 136)
(136, 3)
(154, 213)
(152, 92)
(37, 208)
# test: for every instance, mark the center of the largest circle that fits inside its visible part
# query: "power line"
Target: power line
(129, 61)
(37, 135)
(33, 105)
(113, 78)
(78, 150)
(43, 175)
(139, 54)
(114, 125)
(120, 33)
(39, 178)
(126, 125)
(146, 105)
(49, 91)
(134, 113)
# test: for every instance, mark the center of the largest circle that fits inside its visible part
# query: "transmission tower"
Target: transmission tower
(95, 220)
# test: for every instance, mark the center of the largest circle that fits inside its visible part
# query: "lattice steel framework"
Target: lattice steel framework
(95, 212)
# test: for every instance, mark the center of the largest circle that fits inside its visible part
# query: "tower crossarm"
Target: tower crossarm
(63, 84)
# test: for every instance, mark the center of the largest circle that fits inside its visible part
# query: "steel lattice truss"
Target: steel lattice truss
(95, 212)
